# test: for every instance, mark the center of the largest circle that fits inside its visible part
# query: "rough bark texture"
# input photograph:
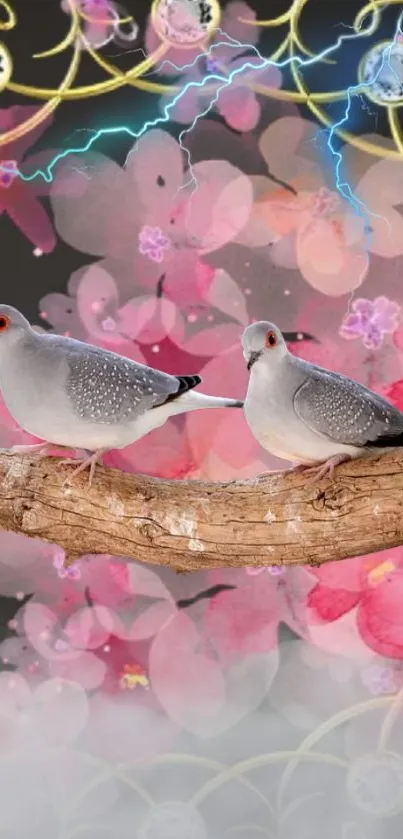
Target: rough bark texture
(278, 519)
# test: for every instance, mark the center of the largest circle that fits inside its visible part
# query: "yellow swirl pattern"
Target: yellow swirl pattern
(292, 45)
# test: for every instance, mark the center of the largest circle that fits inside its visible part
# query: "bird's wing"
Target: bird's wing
(347, 412)
(104, 387)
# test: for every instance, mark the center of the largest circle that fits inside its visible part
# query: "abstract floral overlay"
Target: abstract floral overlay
(110, 662)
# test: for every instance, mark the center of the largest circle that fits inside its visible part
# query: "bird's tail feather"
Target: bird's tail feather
(193, 401)
(187, 399)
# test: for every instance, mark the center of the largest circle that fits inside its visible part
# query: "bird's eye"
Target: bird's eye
(271, 340)
(4, 323)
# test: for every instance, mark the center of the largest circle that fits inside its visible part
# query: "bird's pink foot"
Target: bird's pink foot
(326, 468)
(90, 462)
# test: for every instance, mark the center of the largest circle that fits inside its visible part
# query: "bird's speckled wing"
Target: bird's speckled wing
(347, 412)
(107, 388)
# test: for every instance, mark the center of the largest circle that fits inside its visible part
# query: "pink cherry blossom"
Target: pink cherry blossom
(306, 220)
(18, 197)
(245, 620)
(370, 320)
(236, 102)
(198, 211)
(371, 586)
(395, 394)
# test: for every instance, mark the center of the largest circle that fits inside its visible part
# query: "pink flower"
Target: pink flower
(197, 211)
(245, 620)
(153, 243)
(309, 224)
(19, 198)
(372, 586)
(230, 437)
(395, 394)
(236, 103)
(371, 320)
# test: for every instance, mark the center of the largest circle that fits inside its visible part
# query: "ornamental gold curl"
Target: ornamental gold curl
(291, 46)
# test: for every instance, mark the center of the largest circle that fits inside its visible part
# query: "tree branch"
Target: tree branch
(190, 525)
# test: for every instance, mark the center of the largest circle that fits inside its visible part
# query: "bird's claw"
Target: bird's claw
(326, 468)
(88, 462)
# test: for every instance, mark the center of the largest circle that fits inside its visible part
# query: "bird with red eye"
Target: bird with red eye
(271, 339)
(5, 322)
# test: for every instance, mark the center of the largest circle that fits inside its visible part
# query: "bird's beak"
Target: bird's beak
(253, 357)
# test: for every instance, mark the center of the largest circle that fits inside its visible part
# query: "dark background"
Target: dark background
(42, 23)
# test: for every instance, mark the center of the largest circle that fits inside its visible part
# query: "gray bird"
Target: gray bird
(305, 414)
(78, 396)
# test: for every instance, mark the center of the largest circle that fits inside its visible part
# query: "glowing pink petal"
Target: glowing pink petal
(155, 165)
(228, 436)
(341, 575)
(380, 619)
(220, 207)
(89, 628)
(245, 621)
(233, 26)
(329, 605)
(108, 582)
(225, 294)
(40, 624)
(187, 279)
(381, 189)
(29, 216)
(187, 684)
(60, 311)
(215, 340)
(163, 453)
(239, 107)
(325, 261)
(284, 145)
(147, 583)
(85, 669)
(151, 621)
(96, 295)
(152, 319)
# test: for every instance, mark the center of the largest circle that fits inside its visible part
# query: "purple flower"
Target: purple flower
(380, 680)
(274, 570)
(370, 320)
(152, 243)
(72, 572)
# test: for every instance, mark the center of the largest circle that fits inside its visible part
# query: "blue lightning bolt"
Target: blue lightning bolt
(47, 174)
(342, 186)
(259, 63)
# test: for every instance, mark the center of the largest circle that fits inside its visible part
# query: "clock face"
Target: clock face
(6, 67)
(381, 73)
(185, 23)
